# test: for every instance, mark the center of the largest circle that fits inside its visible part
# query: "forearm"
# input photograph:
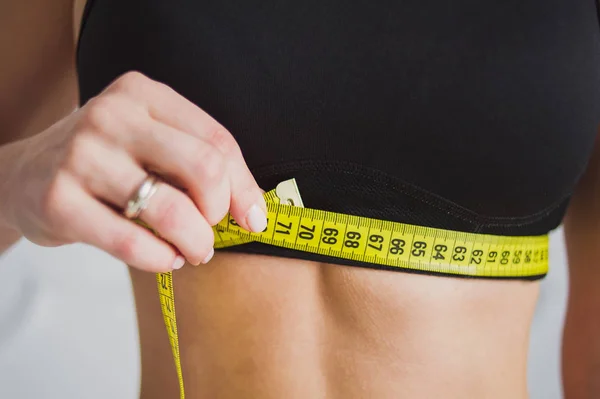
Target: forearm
(15, 132)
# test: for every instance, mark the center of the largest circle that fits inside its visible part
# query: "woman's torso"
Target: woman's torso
(463, 115)
(254, 326)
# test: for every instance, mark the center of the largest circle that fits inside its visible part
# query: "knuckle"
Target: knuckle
(56, 207)
(167, 215)
(215, 213)
(214, 217)
(130, 82)
(163, 87)
(223, 140)
(98, 114)
(248, 191)
(78, 153)
(209, 166)
(125, 247)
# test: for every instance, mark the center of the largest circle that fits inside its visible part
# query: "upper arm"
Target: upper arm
(581, 335)
(582, 232)
(582, 221)
(38, 82)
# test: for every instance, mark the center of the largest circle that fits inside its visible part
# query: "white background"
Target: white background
(68, 330)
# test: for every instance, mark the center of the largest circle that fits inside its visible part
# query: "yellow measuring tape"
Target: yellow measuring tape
(373, 241)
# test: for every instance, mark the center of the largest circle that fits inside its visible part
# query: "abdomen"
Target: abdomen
(254, 326)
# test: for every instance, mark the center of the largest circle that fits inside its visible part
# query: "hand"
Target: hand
(71, 182)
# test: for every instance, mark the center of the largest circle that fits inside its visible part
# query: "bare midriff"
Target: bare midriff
(254, 326)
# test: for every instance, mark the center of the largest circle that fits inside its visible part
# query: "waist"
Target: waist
(261, 326)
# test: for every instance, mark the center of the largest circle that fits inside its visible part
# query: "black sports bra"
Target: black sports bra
(469, 115)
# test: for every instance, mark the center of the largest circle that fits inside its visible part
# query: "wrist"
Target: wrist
(8, 165)
(9, 235)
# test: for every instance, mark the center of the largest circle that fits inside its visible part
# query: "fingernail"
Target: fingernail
(178, 263)
(256, 219)
(209, 256)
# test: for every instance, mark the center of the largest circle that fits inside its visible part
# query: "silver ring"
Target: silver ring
(139, 201)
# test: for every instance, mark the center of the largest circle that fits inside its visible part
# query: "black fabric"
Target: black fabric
(469, 115)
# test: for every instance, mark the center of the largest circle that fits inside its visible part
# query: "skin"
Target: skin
(581, 346)
(252, 326)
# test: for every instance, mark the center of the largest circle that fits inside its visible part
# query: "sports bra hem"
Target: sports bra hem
(389, 183)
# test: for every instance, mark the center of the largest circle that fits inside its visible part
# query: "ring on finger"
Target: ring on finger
(140, 199)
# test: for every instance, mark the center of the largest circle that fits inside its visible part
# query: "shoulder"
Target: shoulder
(37, 78)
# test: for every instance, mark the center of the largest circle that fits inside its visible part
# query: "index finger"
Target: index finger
(167, 106)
